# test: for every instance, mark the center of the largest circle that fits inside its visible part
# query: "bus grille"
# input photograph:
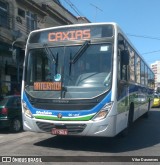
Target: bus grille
(72, 128)
(63, 107)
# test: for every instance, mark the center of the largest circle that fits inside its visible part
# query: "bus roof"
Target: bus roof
(76, 25)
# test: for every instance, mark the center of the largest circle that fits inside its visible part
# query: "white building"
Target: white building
(156, 69)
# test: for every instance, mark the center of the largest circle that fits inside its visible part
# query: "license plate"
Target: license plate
(59, 131)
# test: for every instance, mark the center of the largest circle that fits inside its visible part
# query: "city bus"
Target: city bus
(84, 80)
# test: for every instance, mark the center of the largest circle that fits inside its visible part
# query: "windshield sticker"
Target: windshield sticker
(104, 48)
(47, 86)
(57, 77)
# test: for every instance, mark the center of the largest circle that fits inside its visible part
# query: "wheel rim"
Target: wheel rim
(16, 125)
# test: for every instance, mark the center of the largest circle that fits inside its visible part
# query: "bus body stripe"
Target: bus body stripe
(82, 115)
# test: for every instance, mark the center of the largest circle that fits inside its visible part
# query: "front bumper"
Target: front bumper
(103, 128)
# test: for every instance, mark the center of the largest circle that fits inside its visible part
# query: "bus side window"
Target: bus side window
(124, 58)
(123, 72)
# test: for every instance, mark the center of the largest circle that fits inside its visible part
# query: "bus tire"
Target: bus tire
(146, 115)
(130, 115)
(125, 132)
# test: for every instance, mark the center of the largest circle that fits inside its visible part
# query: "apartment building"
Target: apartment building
(17, 19)
(156, 69)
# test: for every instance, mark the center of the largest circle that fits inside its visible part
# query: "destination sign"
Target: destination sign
(71, 33)
(47, 86)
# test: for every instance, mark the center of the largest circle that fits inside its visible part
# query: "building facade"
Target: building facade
(156, 69)
(17, 19)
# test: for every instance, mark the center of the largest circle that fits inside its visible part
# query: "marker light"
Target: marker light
(103, 112)
(26, 110)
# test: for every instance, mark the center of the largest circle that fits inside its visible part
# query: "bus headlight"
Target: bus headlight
(103, 112)
(26, 110)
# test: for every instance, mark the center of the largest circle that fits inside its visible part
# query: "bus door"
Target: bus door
(123, 85)
(122, 88)
(122, 73)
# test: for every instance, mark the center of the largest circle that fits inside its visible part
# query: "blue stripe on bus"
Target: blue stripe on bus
(65, 113)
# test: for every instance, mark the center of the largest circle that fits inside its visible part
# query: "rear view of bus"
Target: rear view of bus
(70, 81)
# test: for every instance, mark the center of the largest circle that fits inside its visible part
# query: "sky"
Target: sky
(139, 19)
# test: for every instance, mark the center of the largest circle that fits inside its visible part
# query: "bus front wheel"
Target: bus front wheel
(130, 121)
(146, 115)
(131, 114)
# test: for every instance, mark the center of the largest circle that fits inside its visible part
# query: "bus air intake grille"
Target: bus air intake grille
(63, 107)
(72, 128)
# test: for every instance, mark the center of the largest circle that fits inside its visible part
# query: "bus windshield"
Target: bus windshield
(83, 71)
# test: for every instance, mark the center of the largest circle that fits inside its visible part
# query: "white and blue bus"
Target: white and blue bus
(84, 80)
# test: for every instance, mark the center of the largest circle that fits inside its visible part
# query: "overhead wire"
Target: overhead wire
(156, 51)
(73, 7)
(146, 37)
(133, 35)
(24, 27)
(143, 36)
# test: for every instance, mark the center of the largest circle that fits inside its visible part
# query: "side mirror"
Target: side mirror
(125, 57)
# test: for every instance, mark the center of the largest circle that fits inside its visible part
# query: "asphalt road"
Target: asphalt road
(143, 140)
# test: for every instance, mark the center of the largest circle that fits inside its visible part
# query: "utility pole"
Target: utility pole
(97, 8)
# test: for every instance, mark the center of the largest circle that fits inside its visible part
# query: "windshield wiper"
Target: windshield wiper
(52, 58)
(80, 52)
(56, 64)
(49, 53)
